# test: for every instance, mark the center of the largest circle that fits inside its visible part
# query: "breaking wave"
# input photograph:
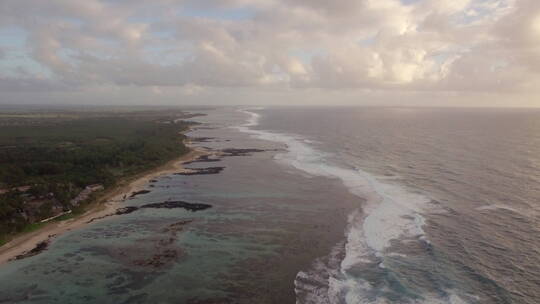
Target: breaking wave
(388, 214)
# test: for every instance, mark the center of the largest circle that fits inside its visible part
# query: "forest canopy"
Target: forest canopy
(59, 155)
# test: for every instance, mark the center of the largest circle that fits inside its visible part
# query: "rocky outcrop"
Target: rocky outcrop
(178, 204)
(240, 152)
(201, 171)
(138, 193)
(193, 207)
(201, 139)
(40, 247)
(203, 159)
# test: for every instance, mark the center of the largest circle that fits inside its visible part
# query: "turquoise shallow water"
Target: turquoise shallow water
(267, 222)
(348, 205)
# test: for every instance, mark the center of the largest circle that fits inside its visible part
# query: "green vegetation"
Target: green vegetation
(58, 154)
(65, 217)
(32, 227)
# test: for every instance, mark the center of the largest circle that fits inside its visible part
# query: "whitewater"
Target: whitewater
(386, 213)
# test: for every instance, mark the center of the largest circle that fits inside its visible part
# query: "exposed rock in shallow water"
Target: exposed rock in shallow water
(203, 159)
(167, 205)
(201, 139)
(125, 210)
(178, 204)
(138, 193)
(240, 152)
(40, 247)
(201, 171)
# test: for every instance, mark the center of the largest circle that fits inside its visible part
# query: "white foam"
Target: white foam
(389, 212)
(495, 207)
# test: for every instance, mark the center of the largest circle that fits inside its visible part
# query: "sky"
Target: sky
(290, 52)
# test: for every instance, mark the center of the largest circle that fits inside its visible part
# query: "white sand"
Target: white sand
(108, 204)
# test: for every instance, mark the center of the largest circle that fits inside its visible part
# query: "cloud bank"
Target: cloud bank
(199, 51)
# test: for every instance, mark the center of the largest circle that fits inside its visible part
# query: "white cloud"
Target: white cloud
(376, 45)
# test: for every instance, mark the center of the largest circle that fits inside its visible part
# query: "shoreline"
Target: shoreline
(106, 204)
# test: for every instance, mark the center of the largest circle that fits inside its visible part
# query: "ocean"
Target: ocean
(331, 205)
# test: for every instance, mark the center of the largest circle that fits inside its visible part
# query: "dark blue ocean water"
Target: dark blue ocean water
(453, 201)
(346, 205)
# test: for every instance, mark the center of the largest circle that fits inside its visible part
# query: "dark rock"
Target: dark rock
(178, 204)
(203, 159)
(40, 247)
(240, 152)
(126, 210)
(168, 205)
(138, 193)
(201, 139)
(201, 171)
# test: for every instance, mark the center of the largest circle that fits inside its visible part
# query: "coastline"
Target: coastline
(274, 212)
(106, 204)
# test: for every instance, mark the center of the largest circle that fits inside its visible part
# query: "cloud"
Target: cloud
(386, 45)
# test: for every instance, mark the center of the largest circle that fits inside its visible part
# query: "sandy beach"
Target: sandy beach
(107, 204)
